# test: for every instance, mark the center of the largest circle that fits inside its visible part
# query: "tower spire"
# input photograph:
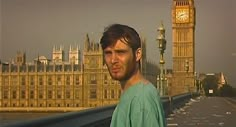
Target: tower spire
(87, 43)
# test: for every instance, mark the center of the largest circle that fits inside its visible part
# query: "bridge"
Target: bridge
(97, 117)
(205, 112)
(183, 110)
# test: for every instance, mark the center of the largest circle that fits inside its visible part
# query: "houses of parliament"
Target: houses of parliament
(58, 85)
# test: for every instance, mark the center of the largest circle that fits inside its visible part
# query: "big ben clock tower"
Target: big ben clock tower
(183, 37)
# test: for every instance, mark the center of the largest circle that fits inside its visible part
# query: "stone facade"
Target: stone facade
(83, 82)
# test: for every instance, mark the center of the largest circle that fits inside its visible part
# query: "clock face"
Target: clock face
(182, 15)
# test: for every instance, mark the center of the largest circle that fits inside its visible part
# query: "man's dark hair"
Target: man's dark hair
(120, 32)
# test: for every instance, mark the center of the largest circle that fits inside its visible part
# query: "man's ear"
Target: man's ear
(138, 54)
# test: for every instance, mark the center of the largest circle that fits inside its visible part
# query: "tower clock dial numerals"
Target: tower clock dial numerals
(182, 15)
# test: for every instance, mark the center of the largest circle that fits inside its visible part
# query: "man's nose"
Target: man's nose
(114, 58)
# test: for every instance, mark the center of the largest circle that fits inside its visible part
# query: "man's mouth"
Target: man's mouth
(115, 70)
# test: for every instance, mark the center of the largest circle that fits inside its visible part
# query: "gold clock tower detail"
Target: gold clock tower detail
(183, 37)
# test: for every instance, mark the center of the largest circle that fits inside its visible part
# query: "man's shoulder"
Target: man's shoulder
(147, 91)
(140, 91)
(149, 88)
(148, 99)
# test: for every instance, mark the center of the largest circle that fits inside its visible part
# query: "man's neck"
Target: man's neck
(137, 77)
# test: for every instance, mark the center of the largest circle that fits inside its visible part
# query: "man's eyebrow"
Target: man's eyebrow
(120, 49)
(106, 51)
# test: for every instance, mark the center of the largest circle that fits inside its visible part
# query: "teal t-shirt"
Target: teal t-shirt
(139, 106)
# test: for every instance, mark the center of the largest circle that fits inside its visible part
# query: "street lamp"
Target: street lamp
(187, 69)
(195, 82)
(162, 46)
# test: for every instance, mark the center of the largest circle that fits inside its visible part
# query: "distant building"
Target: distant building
(220, 78)
(58, 54)
(20, 58)
(41, 60)
(58, 85)
(74, 55)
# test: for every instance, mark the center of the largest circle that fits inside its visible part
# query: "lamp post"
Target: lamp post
(162, 46)
(187, 69)
(195, 82)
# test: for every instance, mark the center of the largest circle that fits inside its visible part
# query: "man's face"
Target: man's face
(120, 60)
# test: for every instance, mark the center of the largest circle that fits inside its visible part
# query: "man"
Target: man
(140, 104)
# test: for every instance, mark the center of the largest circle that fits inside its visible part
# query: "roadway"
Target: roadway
(205, 112)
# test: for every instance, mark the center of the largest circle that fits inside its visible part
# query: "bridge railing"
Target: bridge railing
(97, 117)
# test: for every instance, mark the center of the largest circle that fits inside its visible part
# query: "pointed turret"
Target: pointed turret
(87, 43)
